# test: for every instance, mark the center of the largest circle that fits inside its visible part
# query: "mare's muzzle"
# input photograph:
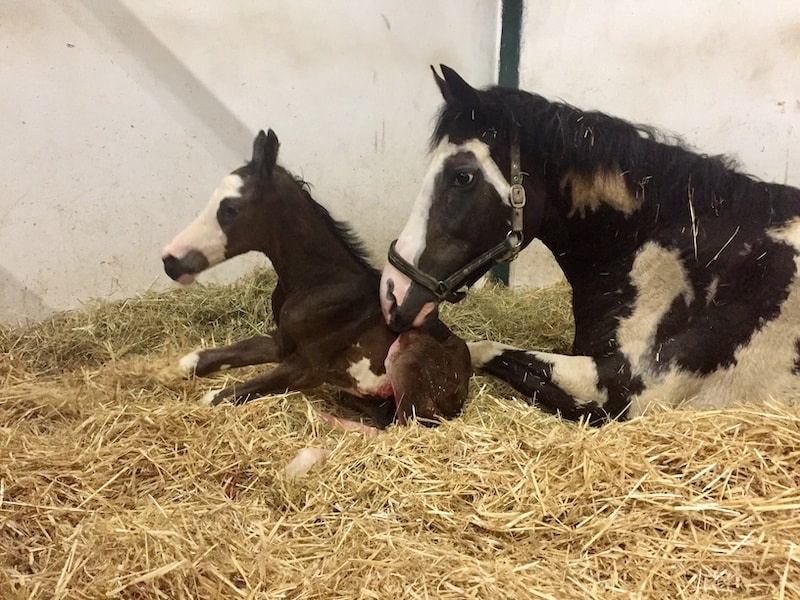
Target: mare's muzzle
(194, 262)
(506, 250)
(447, 289)
(417, 302)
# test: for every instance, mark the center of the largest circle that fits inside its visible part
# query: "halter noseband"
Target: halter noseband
(507, 250)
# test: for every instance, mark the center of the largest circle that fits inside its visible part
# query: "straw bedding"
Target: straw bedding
(115, 483)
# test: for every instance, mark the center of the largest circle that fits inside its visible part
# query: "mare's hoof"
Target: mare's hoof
(188, 363)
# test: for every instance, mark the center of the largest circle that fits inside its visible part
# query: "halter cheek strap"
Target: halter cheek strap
(507, 250)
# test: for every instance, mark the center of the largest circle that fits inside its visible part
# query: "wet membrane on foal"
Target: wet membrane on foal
(330, 329)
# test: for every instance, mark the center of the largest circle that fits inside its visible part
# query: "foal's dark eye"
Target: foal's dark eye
(463, 178)
(227, 212)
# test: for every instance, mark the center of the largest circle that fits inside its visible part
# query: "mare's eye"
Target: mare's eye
(463, 178)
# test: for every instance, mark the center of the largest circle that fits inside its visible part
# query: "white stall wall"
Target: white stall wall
(119, 117)
(722, 74)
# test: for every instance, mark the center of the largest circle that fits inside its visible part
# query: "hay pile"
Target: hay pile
(114, 483)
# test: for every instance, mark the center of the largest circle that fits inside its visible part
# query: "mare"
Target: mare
(684, 271)
(329, 323)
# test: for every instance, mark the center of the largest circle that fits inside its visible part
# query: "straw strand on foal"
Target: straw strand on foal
(684, 272)
(329, 323)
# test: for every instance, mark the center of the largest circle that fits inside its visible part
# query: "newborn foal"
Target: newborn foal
(329, 323)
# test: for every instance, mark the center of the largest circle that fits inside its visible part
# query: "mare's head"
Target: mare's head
(234, 220)
(462, 221)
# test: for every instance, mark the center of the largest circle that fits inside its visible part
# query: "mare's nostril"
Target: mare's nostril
(397, 321)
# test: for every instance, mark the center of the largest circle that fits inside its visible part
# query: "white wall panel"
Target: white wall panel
(119, 117)
(722, 74)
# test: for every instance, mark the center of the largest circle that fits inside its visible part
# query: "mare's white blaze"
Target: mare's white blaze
(188, 363)
(763, 368)
(204, 233)
(575, 375)
(366, 381)
(411, 241)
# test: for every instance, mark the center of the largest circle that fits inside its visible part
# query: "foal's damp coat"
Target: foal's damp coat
(329, 324)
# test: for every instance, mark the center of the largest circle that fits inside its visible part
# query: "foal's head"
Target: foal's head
(234, 220)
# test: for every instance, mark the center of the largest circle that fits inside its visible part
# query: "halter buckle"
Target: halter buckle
(517, 197)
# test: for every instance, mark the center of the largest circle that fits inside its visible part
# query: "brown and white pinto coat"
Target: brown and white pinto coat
(684, 271)
(329, 324)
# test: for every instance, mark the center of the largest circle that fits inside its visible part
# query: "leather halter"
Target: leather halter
(507, 250)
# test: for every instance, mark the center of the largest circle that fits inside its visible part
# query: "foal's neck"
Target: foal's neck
(306, 246)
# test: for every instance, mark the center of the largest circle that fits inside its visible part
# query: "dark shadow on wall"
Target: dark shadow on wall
(170, 74)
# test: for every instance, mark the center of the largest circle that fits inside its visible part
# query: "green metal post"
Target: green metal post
(510, 35)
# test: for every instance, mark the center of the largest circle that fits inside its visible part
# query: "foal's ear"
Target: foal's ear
(265, 152)
(454, 88)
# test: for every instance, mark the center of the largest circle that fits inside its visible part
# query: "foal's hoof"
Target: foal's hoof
(188, 363)
(305, 459)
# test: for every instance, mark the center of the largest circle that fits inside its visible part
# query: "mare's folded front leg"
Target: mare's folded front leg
(286, 377)
(567, 385)
(253, 351)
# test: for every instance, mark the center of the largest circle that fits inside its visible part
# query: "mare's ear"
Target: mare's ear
(265, 152)
(454, 88)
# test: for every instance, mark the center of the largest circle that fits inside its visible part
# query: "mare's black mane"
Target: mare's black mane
(561, 138)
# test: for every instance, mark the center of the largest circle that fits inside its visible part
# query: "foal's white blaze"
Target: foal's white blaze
(204, 234)
(411, 241)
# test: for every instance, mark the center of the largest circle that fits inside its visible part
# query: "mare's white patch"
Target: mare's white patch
(788, 234)
(659, 277)
(367, 382)
(204, 233)
(590, 192)
(188, 363)
(484, 351)
(575, 375)
(762, 369)
(411, 241)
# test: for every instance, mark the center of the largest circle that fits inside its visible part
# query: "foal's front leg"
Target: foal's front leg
(567, 385)
(288, 376)
(253, 351)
